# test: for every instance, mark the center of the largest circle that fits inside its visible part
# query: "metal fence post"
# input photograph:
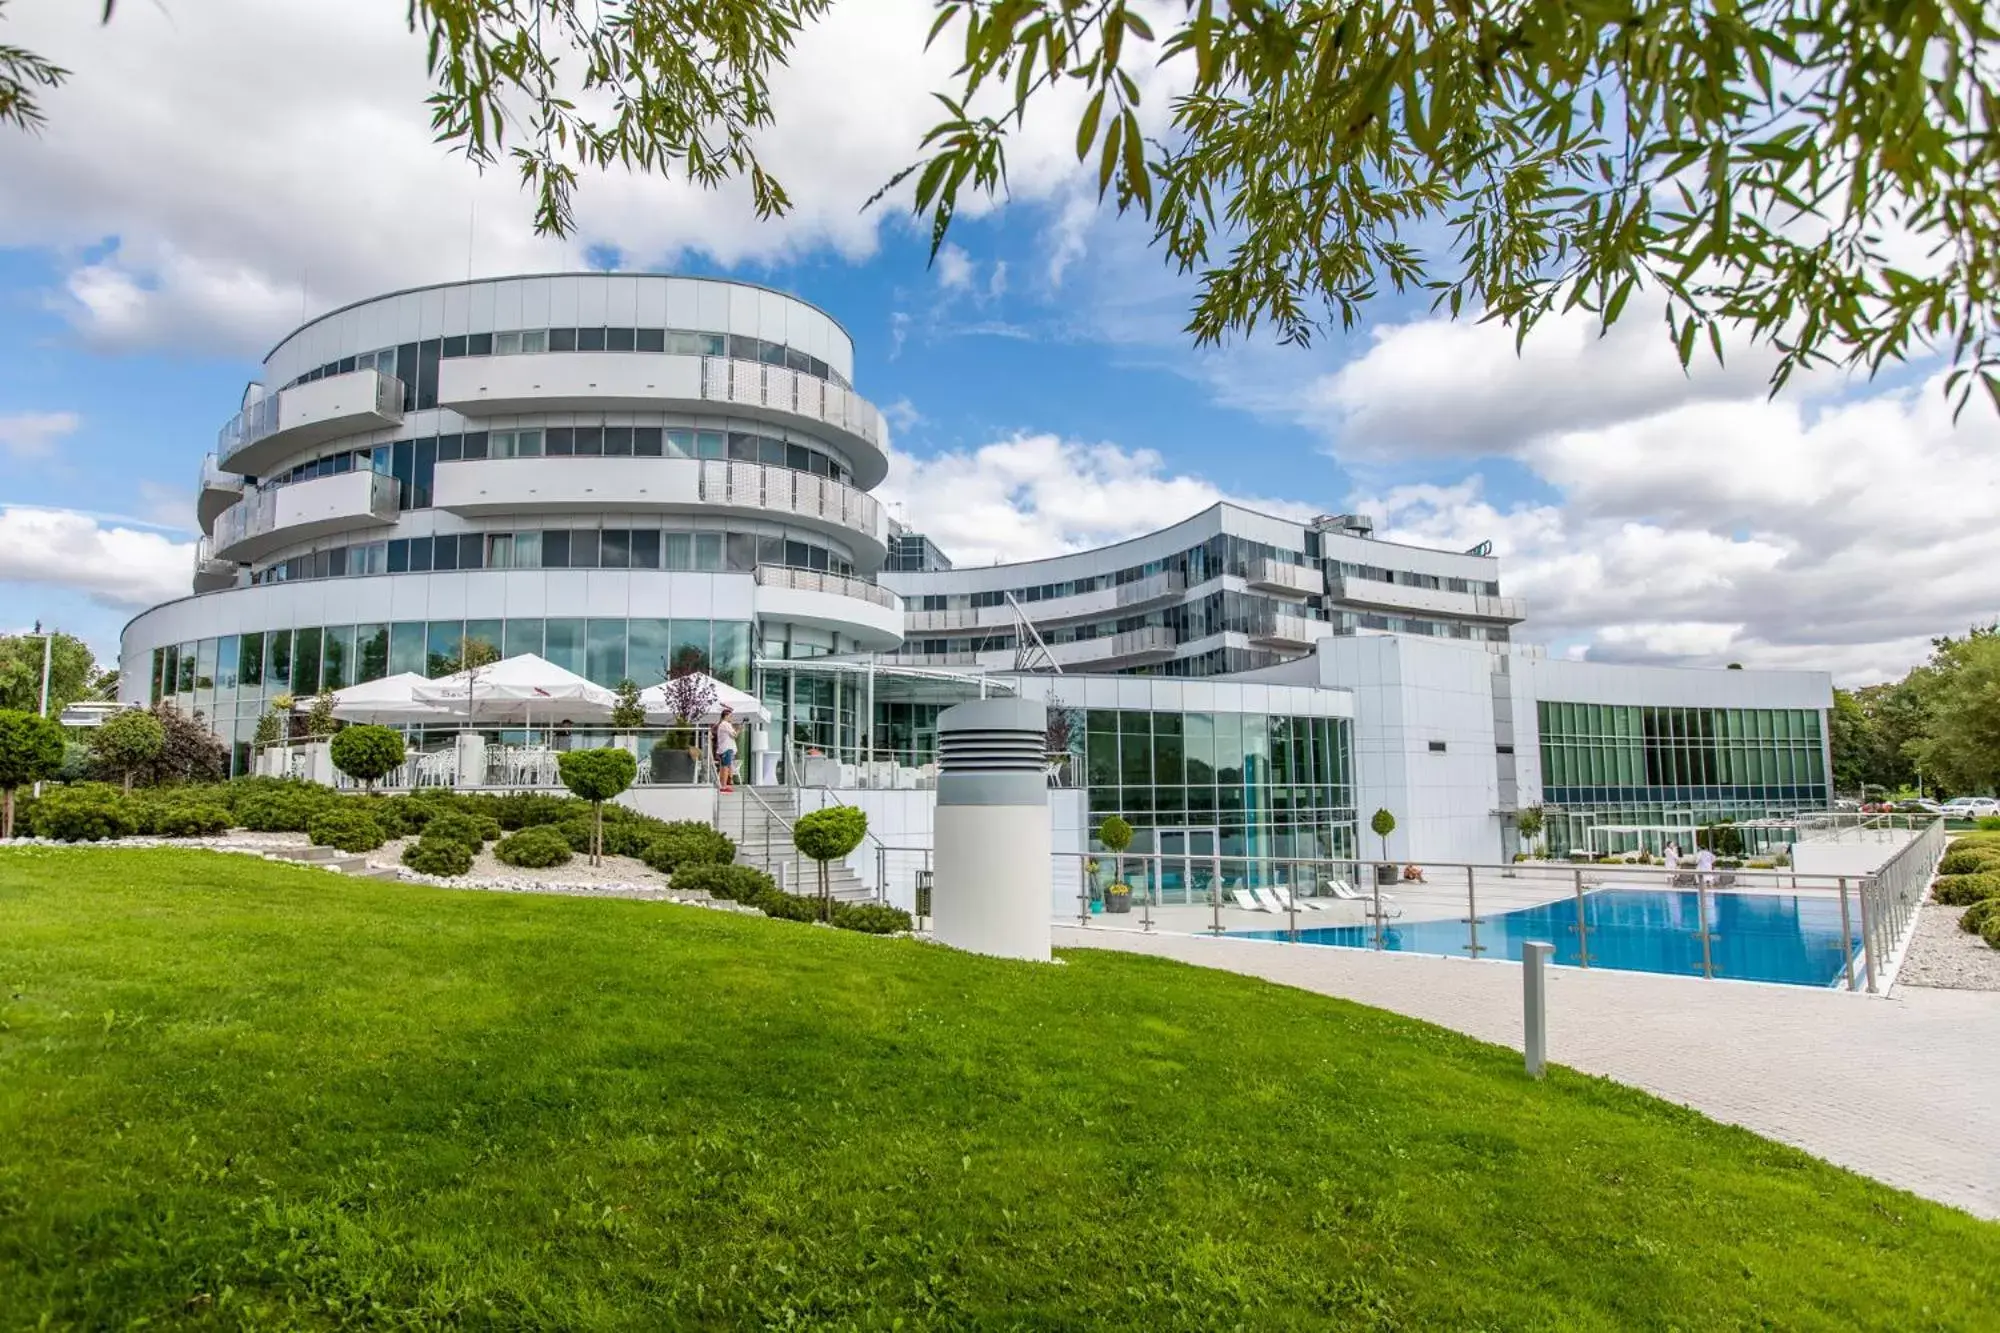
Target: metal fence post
(881, 874)
(1870, 964)
(1701, 908)
(1582, 923)
(1215, 886)
(1146, 908)
(1472, 915)
(1535, 1005)
(1292, 911)
(1376, 888)
(1083, 897)
(1846, 937)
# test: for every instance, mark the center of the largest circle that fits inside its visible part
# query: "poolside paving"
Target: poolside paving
(1901, 1087)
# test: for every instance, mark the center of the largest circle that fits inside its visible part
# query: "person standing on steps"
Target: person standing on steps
(725, 751)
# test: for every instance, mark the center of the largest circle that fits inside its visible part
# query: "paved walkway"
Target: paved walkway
(1903, 1088)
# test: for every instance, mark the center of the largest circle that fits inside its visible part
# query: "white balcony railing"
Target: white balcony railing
(761, 486)
(269, 516)
(1277, 630)
(1380, 595)
(754, 384)
(211, 574)
(1285, 579)
(840, 585)
(931, 622)
(309, 413)
(1167, 583)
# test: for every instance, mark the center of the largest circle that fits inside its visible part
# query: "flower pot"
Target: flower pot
(1385, 874)
(1118, 898)
(672, 767)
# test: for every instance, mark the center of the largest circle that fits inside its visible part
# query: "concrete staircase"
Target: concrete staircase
(332, 858)
(760, 820)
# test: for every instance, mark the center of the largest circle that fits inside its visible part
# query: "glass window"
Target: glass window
(555, 549)
(305, 661)
(589, 441)
(559, 441)
(617, 441)
(277, 659)
(450, 448)
(204, 670)
(506, 344)
(583, 543)
(522, 636)
(371, 652)
(614, 549)
(562, 340)
(535, 340)
(527, 550)
(444, 552)
(336, 657)
(471, 549)
(228, 661)
(679, 550)
(651, 340)
(708, 550)
(739, 551)
(564, 639)
(650, 650)
(711, 444)
(647, 441)
(645, 548)
(730, 659)
(406, 647)
(499, 550)
(680, 444)
(444, 643)
(474, 444)
(605, 660)
(690, 645)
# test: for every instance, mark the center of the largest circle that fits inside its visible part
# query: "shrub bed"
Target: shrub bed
(1976, 916)
(1965, 890)
(347, 827)
(284, 807)
(687, 843)
(87, 812)
(462, 826)
(433, 855)
(737, 884)
(1970, 861)
(182, 818)
(534, 848)
(871, 918)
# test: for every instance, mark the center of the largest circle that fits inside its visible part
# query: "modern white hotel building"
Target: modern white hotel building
(624, 472)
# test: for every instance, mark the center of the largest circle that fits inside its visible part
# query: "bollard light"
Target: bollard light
(1535, 1005)
(991, 892)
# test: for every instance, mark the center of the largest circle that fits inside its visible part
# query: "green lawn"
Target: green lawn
(246, 1094)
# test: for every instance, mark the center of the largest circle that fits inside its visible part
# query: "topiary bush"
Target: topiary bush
(782, 906)
(687, 842)
(431, 855)
(461, 826)
(288, 806)
(738, 884)
(532, 809)
(88, 812)
(1977, 915)
(1965, 890)
(597, 776)
(348, 827)
(1990, 931)
(1970, 861)
(1972, 841)
(186, 819)
(535, 848)
(825, 835)
(367, 754)
(871, 918)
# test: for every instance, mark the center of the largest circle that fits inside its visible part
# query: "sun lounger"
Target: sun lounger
(1286, 901)
(1340, 888)
(1243, 900)
(1269, 901)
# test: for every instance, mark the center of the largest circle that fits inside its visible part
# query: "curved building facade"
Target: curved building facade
(616, 471)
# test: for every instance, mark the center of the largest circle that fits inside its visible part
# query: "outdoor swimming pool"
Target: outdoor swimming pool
(1751, 936)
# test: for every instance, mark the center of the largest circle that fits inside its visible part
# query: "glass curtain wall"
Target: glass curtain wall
(1641, 775)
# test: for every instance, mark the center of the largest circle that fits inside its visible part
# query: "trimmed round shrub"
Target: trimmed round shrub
(438, 856)
(1990, 931)
(786, 906)
(534, 848)
(871, 918)
(289, 807)
(347, 828)
(1972, 841)
(738, 884)
(367, 754)
(1977, 915)
(687, 843)
(188, 819)
(1970, 861)
(1965, 890)
(89, 812)
(458, 826)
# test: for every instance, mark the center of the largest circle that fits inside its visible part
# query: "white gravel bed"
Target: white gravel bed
(618, 877)
(1942, 955)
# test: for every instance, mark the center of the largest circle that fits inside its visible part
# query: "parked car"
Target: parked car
(1922, 805)
(1971, 807)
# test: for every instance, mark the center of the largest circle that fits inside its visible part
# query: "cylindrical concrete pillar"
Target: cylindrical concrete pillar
(991, 893)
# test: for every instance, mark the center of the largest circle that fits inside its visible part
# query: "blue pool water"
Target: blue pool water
(1752, 937)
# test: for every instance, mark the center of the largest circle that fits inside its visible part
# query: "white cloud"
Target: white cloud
(26, 436)
(248, 165)
(113, 564)
(1034, 495)
(954, 268)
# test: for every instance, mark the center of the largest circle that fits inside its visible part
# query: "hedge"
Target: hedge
(182, 819)
(1970, 861)
(739, 884)
(1977, 915)
(347, 827)
(687, 843)
(462, 826)
(87, 812)
(432, 855)
(871, 918)
(535, 848)
(1965, 890)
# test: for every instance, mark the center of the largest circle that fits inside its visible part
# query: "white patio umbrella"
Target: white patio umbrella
(658, 702)
(518, 688)
(389, 701)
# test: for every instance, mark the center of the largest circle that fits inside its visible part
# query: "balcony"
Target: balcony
(932, 622)
(271, 517)
(819, 501)
(620, 381)
(211, 574)
(215, 492)
(1278, 630)
(870, 615)
(1285, 580)
(1163, 586)
(278, 425)
(1137, 647)
(1375, 594)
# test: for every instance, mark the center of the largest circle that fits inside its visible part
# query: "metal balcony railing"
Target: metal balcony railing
(754, 384)
(840, 585)
(762, 486)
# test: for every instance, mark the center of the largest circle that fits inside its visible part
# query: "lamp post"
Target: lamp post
(48, 653)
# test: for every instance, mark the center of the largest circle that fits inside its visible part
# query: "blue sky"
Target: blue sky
(210, 175)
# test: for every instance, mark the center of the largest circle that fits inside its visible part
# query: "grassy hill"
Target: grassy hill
(239, 1093)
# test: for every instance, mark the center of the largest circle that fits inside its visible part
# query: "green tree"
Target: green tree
(1960, 688)
(31, 750)
(1115, 835)
(72, 671)
(1847, 729)
(628, 713)
(1745, 165)
(127, 742)
(597, 776)
(320, 721)
(367, 753)
(1382, 824)
(1528, 823)
(826, 835)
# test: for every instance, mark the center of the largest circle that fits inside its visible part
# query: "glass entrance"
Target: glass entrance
(1187, 864)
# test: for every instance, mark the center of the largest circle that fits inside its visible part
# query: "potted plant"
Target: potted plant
(677, 758)
(1091, 867)
(1116, 835)
(1062, 732)
(1382, 825)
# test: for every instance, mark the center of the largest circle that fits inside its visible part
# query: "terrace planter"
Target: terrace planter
(1118, 898)
(673, 767)
(1385, 874)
